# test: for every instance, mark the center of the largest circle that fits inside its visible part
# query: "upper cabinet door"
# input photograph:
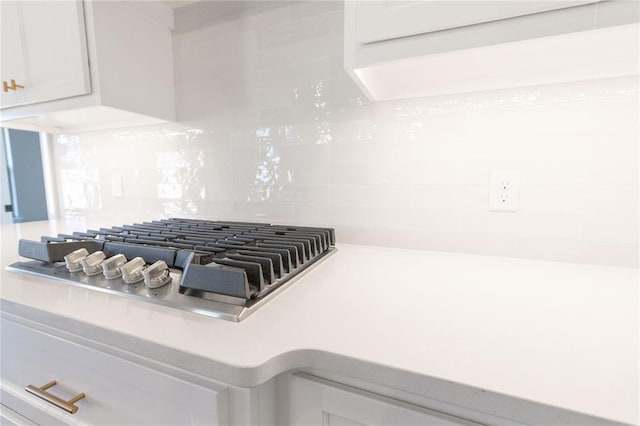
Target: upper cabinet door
(388, 19)
(46, 40)
(11, 61)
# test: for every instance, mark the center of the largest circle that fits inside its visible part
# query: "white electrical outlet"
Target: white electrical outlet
(504, 191)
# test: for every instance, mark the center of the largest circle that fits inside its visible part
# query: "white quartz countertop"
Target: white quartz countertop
(561, 334)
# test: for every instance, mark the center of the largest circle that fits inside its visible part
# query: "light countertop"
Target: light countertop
(561, 334)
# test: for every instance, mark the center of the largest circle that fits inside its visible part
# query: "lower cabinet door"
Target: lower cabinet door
(117, 391)
(315, 401)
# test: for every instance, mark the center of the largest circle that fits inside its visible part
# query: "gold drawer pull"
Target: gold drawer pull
(41, 392)
(14, 86)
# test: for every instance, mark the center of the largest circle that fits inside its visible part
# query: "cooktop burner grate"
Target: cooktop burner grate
(214, 268)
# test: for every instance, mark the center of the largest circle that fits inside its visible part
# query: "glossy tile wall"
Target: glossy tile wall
(272, 129)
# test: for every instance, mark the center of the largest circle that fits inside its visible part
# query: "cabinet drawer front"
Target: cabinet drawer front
(8, 417)
(117, 391)
(316, 401)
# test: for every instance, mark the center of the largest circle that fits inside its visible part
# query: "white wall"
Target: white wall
(272, 129)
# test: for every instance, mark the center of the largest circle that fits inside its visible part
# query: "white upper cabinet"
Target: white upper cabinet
(44, 52)
(11, 45)
(89, 65)
(389, 19)
(404, 49)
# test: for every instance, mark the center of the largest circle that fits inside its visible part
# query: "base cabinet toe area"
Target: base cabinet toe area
(118, 391)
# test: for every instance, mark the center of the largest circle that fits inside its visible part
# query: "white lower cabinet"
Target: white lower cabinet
(125, 384)
(316, 401)
(118, 391)
(122, 388)
(8, 417)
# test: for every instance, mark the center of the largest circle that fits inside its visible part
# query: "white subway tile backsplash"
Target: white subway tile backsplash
(263, 210)
(620, 209)
(271, 128)
(295, 31)
(349, 164)
(371, 195)
(223, 210)
(450, 197)
(314, 214)
(303, 193)
(302, 9)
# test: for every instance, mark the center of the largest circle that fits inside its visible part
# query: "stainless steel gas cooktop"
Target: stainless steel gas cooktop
(219, 269)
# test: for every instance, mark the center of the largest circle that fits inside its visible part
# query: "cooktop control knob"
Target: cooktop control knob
(111, 267)
(92, 264)
(157, 275)
(73, 259)
(132, 270)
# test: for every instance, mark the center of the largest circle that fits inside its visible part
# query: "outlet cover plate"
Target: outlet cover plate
(504, 191)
